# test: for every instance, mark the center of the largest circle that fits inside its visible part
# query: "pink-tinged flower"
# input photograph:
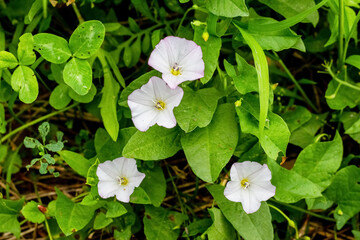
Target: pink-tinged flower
(118, 177)
(250, 184)
(153, 104)
(178, 60)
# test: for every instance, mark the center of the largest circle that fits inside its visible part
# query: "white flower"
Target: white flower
(154, 103)
(178, 60)
(118, 177)
(250, 184)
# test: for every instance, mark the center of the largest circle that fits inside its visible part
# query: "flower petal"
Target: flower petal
(136, 180)
(250, 203)
(233, 191)
(263, 191)
(245, 169)
(174, 99)
(107, 189)
(166, 118)
(123, 194)
(146, 119)
(107, 171)
(262, 174)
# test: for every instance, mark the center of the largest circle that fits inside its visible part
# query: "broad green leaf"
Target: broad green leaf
(78, 75)
(209, 149)
(53, 48)
(263, 78)
(351, 121)
(106, 148)
(211, 51)
(124, 234)
(7, 60)
(340, 96)
(87, 39)
(91, 177)
(304, 135)
(5, 90)
(32, 213)
(25, 51)
(139, 196)
(318, 203)
(221, 229)
(83, 98)
(76, 161)
(108, 104)
(319, 161)
(71, 216)
(243, 74)
(136, 84)
(292, 8)
(296, 116)
(162, 224)
(154, 185)
(276, 132)
(228, 8)
(9, 211)
(101, 221)
(155, 144)
(24, 81)
(197, 227)
(255, 226)
(290, 185)
(353, 60)
(345, 191)
(44, 130)
(196, 108)
(115, 209)
(59, 97)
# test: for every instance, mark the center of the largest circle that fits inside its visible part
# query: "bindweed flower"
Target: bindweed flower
(153, 104)
(118, 177)
(250, 184)
(178, 60)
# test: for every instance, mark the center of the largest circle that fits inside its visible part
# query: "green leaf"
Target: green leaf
(115, 209)
(136, 84)
(25, 51)
(339, 96)
(108, 104)
(318, 162)
(78, 75)
(290, 9)
(290, 185)
(32, 213)
(162, 224)
(106, 148)
(154, 185)
(276, 133)
(24, 81)
(91, 177)
(76, 161)
(351, 124)
(211, 51)
(7, 60)
(243, 74)
(228, 8)
(83, 98)
(255, 226)
(142, 7)
(221, 229)
(196, 108)
(49, 159)
(345, 191)
(296, 116)
(51, 47)
(9, 210)
(44, 130)
(209, 149)
(197, 227)
(353, 60)
(135, 52)
(127, 57)
(2, 119)
(139, 196)
(155, 144)
(263, 78)
(71, 216)
(87, 39)
(59, 97)
(101, 221)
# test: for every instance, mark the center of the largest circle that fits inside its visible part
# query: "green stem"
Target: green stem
(341, 33)
(308, 101)
(9, 171)
(291, 222)
(77, 12)
(183, 18)
(176, 190)
(36, 121)
(304, 211)
(328, 68)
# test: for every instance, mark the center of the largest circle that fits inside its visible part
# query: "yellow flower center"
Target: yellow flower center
(123, 181)
(175, 70)
(160, 105)
(245, 183)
